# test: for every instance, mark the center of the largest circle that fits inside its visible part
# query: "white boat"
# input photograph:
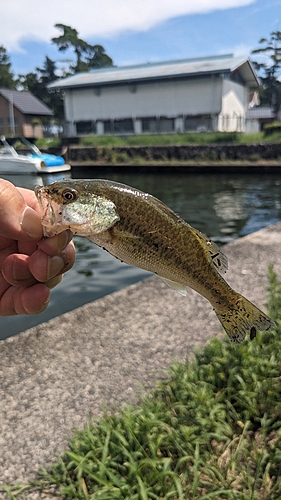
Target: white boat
(29, 160)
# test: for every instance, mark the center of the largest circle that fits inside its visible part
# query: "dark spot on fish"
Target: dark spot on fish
(215, 255)
(253, 333)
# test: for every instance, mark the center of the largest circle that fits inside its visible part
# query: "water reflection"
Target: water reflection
(31, 181)
(223, 206)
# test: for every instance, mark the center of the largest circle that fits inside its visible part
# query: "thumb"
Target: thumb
(18, 220)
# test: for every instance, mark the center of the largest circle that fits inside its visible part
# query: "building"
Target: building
(258, 117)
(21, 113)
(204, 94)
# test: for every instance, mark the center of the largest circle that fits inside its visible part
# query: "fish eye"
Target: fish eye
(69, 195)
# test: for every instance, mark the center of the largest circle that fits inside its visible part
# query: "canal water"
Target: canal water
(223, 206)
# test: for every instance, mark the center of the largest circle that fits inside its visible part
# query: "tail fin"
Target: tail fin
(243, 316)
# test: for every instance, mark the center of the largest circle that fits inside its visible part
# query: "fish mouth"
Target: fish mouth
(50, 212)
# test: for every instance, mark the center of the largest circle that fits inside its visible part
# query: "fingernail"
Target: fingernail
(55, 265)
(31, 224)
(63, 239)
(43, 306)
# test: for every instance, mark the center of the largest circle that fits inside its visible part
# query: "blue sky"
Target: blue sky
(136, 31)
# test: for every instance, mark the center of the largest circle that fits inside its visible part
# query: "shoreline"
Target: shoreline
(181, 167)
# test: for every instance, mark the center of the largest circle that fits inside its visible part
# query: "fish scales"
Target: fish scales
(135, 240)
(140, 230)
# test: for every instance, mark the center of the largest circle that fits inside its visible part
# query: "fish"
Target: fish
(140, 230)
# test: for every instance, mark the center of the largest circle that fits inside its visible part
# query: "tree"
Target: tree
(97, 58)
(87, 56)
(271, 87)
(7, 80)
(37, 82)
(48, 72)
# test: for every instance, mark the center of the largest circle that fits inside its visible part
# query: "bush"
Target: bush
(272, 128)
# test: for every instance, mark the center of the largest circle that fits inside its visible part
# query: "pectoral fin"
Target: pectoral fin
(178, 287)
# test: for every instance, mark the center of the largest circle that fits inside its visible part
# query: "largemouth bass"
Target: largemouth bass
(140, 230)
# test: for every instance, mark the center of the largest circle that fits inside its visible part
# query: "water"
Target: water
(223, 206)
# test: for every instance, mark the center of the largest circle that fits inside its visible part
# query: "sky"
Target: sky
(136, 31)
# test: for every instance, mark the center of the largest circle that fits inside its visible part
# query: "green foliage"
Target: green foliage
(7, 80)
(212, 430)
(272, 128)
(37, 82)
(274, 296)
(162, 139)
(270, 70)
(87, 56)
(182, 139)
(48, 142)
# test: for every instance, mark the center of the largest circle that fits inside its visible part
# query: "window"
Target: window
(166, 125)
(198, 123)
(85, 127)
(149, 125)
(10, 121)
(124, 126)
(158, 125)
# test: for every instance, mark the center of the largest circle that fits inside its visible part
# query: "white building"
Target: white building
(194, 94)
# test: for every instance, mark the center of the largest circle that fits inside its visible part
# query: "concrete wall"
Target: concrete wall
(170, 98)
(185, 153)
(220, 102)
(234, 105)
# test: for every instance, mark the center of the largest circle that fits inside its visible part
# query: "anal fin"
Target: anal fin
(178, 287)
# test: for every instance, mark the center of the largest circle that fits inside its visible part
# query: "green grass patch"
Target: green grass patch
(212, 430)
(48, 142)
(193, 138)
(162, 139)
(180, 139)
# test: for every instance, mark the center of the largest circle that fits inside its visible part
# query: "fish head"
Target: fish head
(66, 206)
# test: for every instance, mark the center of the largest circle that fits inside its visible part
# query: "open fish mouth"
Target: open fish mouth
(50, 213)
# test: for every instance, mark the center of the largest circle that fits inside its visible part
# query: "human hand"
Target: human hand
(29, 265)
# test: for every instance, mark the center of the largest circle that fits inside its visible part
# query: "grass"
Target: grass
(167, 139)
(212, 430)
(179, 139)
(160, 139)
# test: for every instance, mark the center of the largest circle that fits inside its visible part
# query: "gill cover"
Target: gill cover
(88, 216)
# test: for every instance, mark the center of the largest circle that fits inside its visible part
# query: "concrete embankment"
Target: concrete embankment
(203, 155)
(103, 354)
